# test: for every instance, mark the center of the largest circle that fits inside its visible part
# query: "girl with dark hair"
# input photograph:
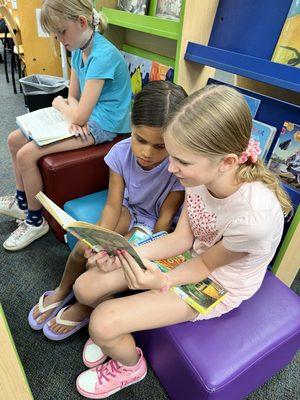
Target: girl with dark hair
(142, 194)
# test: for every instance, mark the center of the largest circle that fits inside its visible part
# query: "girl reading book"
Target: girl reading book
(232, 221)
(142, 194)
(97, 107)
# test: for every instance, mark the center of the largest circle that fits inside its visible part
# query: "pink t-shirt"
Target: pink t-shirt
(250, 220)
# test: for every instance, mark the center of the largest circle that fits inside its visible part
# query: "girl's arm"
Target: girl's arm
(113, 207)
(170, 245)
(79, 114)
(199, 268)
(168, 210)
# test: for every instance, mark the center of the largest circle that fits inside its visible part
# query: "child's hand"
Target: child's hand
(136, 277)
(59, 102)
(103, 261)
(82, 131)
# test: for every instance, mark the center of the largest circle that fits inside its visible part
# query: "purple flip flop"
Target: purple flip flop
(55, 307)
(60, 336)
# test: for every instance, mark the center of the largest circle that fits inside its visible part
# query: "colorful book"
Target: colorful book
(285, 158)
(139, 69)
(203, 296)
(264, 134)
(133, 6)
(287, 50)
(161, 72)
(253, 104)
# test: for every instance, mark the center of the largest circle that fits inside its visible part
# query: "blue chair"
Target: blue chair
(87, 208)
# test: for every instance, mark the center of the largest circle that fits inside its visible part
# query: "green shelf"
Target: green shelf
(143, 23)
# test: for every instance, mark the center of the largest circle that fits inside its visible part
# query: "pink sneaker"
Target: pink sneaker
(92, 355)
(106, 379)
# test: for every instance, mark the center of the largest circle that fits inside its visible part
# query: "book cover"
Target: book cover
(133, 6)
(93, 236)
(139, 69)
(44, 126)
(253, 104)
(285, 158)
(169, 9)
(202, 296)
(161, 72)
(264, 134)
(287, 50)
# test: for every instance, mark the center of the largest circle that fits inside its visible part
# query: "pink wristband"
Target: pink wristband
(167, 285)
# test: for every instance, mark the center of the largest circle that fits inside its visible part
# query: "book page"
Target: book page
(45, 123)
(60, 215)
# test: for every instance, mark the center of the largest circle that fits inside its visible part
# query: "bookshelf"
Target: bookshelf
(242, 41)
(164, 40)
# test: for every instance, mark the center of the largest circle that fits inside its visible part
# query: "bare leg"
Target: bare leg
(113, 321)
(27, 158)
(75, 266)
(16, 140)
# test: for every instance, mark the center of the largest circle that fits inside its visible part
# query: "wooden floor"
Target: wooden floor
(13, 383)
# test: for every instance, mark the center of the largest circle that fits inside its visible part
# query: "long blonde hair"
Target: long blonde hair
(216, 121)
(53, 11)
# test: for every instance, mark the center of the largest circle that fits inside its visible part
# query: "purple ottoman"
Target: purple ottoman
(227, 357)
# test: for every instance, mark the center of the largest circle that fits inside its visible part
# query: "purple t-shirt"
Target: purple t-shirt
(145, 190)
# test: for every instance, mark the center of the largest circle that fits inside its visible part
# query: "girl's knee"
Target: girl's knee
(82, 292)
(105, 322)
(26, 156)
(15, 141)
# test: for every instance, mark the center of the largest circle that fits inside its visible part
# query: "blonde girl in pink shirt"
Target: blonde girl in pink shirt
(232, 222)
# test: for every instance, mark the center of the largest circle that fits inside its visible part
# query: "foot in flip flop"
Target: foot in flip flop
(48, 306)
(68, 321)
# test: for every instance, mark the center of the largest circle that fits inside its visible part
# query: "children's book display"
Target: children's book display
(44, 126)
(203, 296)
(133, 6)
(169, 9)
(287, 50)
(264, 135)
(142, 71)
(285, 158)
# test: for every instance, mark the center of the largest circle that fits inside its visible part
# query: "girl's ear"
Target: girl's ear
(83, 22)
(228, 162)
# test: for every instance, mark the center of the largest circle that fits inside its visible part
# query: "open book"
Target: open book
(44, 126)
(92, 235)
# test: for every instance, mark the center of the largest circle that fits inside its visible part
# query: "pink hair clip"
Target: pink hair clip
(252, 151)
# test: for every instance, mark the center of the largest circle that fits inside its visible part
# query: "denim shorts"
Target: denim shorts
(99, 134)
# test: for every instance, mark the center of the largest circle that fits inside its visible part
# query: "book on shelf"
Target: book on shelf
(285, 157)
(142, 71)
(287, 50)
(169, 9)
(264, 134)
(44, 126)
(253, 104)
(133, 6)
(93, 236)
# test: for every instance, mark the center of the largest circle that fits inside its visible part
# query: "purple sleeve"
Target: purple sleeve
(176, 185)
(113, 160)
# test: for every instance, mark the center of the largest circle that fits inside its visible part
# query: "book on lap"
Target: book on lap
(44, 126)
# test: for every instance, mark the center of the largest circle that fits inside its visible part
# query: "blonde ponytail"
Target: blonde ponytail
(250, 172)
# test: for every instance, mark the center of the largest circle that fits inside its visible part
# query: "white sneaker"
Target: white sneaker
(92, 354)
(9, 206)
(24, 235)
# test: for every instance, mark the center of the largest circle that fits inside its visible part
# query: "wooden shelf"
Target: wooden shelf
(258, 69)
(143, 23)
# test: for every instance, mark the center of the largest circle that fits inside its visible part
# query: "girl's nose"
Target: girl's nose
(172, 167)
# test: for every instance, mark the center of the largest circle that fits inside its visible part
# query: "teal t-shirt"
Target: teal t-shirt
(112, 111)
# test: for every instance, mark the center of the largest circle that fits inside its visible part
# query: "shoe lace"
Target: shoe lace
(22, 228)
(108, 370)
